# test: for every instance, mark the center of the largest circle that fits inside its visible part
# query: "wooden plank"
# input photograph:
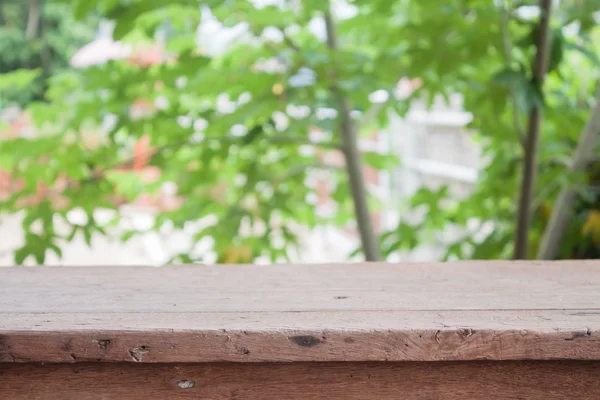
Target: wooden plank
(540, 321)
(289, 336)
(329, 381)
(357, 312)
(434, 286)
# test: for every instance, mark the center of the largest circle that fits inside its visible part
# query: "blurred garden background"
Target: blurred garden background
(257, 131)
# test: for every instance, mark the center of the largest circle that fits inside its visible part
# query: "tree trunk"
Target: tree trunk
(33, 19)
(533, 130)
(563, 207)
(354, 166)
(508, 60)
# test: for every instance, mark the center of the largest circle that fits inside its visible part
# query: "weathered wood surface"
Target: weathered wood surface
(358, 312)
(303, 381)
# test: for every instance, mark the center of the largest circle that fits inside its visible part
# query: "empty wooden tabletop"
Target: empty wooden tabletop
(459, 311)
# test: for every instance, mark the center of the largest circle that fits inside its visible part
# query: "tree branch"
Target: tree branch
(562, 209)
(533, 130)
(354, 167)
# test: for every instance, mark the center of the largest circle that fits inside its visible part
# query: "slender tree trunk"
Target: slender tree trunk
(563, 207)
(33, 19)
(2, 19)
(354, 166)
(540, 67)
(508, 60)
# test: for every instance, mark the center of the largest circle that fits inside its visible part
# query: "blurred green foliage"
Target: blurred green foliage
(239, 155)
(56, 38)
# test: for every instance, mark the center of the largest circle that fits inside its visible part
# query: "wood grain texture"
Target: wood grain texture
(354, 313)
(378, 286)
(287, 337)
(301, 381)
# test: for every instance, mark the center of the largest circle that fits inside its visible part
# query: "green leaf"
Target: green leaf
(429, 197)
(355, 252)
(20, 255)
(56, 250)
(511, 78)
(18, 79)
(87, 236)
(456, 250)
(529, 96)
(127, 183)
(381, 161)
(71, 236)
(82, 8)
(128, 235)
(557, 43)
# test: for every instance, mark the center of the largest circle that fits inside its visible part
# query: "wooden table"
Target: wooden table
(467, 330)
